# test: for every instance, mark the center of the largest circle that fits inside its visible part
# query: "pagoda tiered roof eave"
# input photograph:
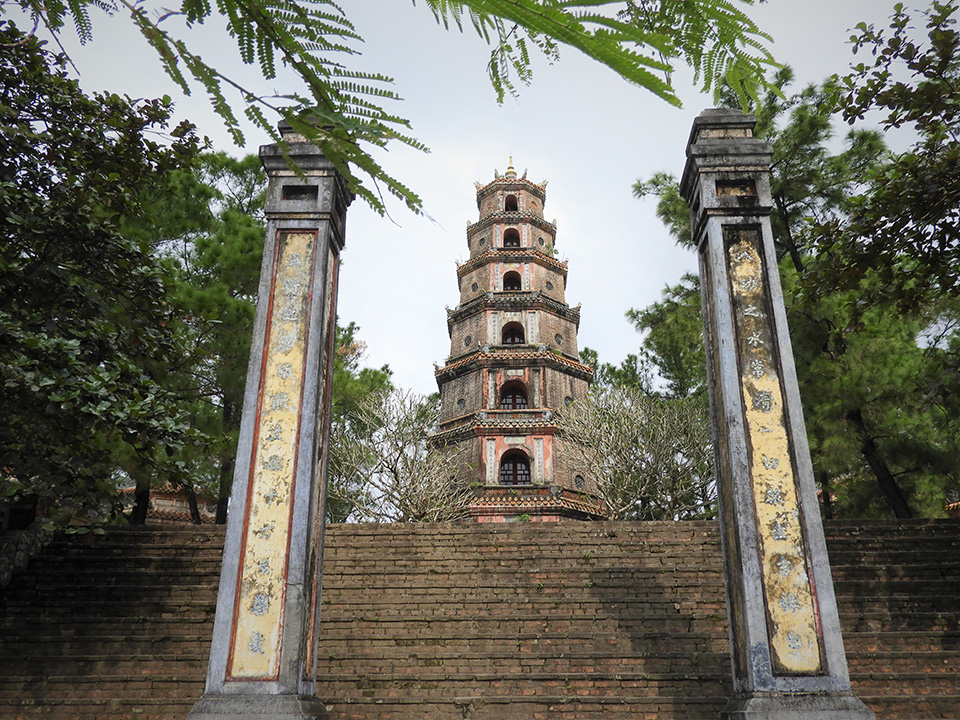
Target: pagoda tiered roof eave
(515, 216)
(497, 422)
(509, 299)
(511, 255)
(512, 182)
(539, 499)
(514, 356)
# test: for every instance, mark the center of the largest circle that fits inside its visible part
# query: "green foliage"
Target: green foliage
(673, 340)
(671, 207)
(632, 372)
(353, 388)
(87, 337)
(715, 38)
(639, 40)
(906, 225)
(341, 111)
(882, 441)
(208, 227)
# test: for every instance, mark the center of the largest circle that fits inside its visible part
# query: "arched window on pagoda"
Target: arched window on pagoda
(511, 281)
(510, 203)
(513, 334)
(514, 468)
(513, 396)
(511, 238)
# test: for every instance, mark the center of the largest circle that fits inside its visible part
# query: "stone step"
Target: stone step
(491, 683)
(573, 707)
(899, 640)
(144, 646)
(895, 684)
(569, 706)
(585, 621)
(94, 687)
(880, 621)
(106, 567)
(903, 660)
(921, 706)
(146, 708)
(193, 664)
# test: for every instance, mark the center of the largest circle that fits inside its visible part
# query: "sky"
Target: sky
(578, 125)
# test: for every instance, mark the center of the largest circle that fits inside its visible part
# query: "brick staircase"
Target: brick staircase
(483, 622)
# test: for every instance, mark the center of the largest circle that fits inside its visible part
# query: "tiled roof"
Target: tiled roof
(524, 298)
(547, 355)
(497, 419)
(539, 497)
(507, 253)
(503, 180)
(168, 504)
(510, 216)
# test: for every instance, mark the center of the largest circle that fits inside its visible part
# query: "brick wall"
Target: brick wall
(486, 622)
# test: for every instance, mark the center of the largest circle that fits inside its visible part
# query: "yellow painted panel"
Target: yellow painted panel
(259, 614)
(791, 611)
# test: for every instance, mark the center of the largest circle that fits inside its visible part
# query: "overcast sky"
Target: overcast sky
(578, 125)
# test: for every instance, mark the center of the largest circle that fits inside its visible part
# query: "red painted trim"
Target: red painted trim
(268, 327)
(253, 455)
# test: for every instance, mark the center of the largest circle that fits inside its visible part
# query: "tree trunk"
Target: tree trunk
(826, 504)
(886, 480)
(223, 492)
(791, 245)
(226, 468)
(141, 503)
(192, 503)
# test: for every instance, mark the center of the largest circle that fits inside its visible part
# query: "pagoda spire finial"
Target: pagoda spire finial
(511, 173)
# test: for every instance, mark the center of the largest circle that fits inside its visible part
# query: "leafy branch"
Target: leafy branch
(341, 112)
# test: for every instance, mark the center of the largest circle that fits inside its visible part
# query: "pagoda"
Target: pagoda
(514, 363)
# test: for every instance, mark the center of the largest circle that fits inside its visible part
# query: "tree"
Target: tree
(673, 343)
(905, 226)
(671, 362)
(87, 337)
(209, 226)
(339, 111)
(651, 458)
(387, 470)
(354, 390)
(862, 374)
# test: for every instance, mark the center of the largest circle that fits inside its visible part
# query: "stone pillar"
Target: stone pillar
(788, 656)
(262, 660)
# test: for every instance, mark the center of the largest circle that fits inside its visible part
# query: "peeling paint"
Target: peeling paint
(259, 619)
(794, 638)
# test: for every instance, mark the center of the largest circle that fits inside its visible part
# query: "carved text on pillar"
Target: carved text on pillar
(790, 599)
(258, 622)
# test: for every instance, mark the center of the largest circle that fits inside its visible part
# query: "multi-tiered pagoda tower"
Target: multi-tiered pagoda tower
(513, 363)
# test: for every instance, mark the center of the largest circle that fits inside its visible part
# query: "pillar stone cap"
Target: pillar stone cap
(722, 138)
(293, 147)
(721, 123)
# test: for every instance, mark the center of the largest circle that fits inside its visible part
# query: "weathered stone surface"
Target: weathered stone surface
(786, 644)
(264, 637)
(259, 707)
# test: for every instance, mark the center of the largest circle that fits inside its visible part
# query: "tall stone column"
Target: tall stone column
(262, 658)
(788, 656)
